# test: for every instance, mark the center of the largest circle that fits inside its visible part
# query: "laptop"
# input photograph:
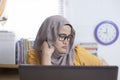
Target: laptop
(38, 72)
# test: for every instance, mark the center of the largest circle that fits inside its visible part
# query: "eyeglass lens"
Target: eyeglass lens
(63, 37)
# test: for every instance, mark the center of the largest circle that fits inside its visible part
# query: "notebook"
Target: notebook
(38, 72)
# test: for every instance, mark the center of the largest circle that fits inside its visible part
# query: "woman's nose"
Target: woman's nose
(65, 41)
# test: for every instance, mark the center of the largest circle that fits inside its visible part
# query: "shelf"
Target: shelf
(9, 66)
(9, 72)
(9, 77)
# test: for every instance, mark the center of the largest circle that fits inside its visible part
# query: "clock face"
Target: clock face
(106, 32)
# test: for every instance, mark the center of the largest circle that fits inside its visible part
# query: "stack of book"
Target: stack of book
(91, 47)
(22, 46)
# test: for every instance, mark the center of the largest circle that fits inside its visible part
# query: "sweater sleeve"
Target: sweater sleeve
(33, 57)
(84, 58)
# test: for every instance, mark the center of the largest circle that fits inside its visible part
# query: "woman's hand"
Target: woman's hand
(46, 53)
(46, 49)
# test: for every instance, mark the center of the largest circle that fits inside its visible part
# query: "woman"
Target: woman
(54, 45)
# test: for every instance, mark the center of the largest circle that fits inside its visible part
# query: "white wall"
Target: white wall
(86, 14)
(26, 16)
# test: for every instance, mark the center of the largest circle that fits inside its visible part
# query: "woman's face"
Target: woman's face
(63, 40)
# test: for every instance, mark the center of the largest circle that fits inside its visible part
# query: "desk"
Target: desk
(9, 72)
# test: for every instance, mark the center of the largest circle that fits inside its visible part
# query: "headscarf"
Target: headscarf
(49, 32)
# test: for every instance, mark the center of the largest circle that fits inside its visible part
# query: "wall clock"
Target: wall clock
(106, 32)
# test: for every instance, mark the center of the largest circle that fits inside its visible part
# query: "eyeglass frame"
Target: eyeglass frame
(69, 37)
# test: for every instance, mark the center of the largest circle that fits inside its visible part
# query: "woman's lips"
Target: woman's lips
(65, 47)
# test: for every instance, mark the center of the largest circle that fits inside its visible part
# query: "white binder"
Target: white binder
(7, 47)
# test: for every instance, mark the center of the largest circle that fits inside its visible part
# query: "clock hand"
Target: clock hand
(107, 30)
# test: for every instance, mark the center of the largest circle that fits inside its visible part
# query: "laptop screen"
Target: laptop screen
(38, 72)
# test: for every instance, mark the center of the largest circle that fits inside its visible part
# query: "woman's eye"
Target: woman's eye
(62, 35)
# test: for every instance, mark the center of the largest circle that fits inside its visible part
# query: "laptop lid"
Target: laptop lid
(38, 72)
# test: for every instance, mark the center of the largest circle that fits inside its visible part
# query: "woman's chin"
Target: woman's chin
(63, 52)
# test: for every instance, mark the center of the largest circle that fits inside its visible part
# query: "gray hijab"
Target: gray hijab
(49, 32)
